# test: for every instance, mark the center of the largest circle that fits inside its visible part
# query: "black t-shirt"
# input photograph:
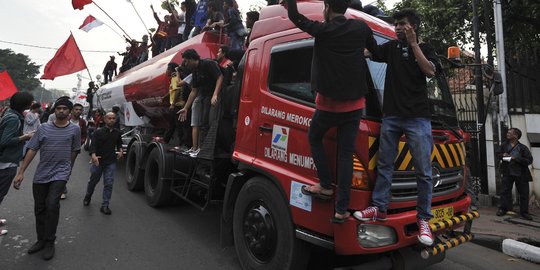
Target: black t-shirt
(205, 77)
(405, 87)
(105, 142)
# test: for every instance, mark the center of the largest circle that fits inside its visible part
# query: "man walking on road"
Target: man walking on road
(59, 143)
(105, 142)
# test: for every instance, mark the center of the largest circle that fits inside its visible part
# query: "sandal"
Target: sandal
(337, 220)
(319, 194)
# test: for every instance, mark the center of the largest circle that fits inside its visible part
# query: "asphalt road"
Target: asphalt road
(137, 236)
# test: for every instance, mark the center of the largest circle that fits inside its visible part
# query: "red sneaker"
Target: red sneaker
(371, 213)
(424, 232)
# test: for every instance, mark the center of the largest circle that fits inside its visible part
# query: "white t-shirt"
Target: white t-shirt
(182, 20)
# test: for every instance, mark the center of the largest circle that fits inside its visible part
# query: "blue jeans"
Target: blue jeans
(108, 179)
(347, 128)
(420, 140)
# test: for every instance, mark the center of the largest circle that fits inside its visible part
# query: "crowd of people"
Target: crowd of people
(57, 135)
(184, 22)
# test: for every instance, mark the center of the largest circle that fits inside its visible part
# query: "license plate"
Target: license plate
(443, 213)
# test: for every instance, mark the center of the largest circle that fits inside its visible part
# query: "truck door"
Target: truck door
(286, 108)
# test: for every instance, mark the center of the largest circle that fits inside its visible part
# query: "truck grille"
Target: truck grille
(404, 186)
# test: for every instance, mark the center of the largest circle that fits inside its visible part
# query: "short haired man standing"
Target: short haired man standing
(206, 85)
(12, 140)
(105, 142)
(516, 158)
(406, 111)
(58, 143)
(338, 75)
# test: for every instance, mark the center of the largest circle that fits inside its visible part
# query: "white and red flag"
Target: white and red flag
(90, 23)
(68, 59)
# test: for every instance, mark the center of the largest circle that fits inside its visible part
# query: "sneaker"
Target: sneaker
(48, 250)
(86, 201)
(194, 153)
(39, 245)
(424, 232)
(63, 196)
(189, 151)
(526, 216)
(105, 210)
(3, 222)
(2, 232)
(371, 213)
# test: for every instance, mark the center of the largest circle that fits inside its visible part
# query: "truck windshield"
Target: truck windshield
(442, 104)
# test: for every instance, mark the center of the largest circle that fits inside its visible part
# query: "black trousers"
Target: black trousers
(506, 193)
(47, 208)
(174, 125)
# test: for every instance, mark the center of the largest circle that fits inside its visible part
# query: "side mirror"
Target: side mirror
(496, 85)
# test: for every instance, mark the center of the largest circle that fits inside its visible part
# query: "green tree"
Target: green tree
(21, 69)
(449, 22)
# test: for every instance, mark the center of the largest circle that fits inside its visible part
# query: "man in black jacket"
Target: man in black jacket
(338, 75)
(516, 158)
(105, 149)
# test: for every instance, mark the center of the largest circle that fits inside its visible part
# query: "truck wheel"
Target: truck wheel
(157, 190)
(134, 176)
(263, 231)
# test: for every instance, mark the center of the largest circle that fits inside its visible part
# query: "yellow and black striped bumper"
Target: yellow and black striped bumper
(455, 241)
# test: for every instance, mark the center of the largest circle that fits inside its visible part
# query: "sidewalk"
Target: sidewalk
(490, 230)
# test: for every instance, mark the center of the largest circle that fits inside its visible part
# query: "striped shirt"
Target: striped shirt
(56, 145)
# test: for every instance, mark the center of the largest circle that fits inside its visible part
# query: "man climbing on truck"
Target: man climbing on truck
(338, 75)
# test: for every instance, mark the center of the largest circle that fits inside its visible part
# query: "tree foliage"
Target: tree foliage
(21, 69)
(449, 22)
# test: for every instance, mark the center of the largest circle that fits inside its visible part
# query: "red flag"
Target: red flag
(90, 23)
(67, 60)
(79, 4)
(7, 87)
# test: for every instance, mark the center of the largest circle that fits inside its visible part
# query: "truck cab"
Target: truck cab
(276, 105)
(257, 157)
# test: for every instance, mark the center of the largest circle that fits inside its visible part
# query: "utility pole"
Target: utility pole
(479, 102)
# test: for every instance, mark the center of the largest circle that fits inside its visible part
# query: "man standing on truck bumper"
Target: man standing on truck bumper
(338, 75)
(406, 111)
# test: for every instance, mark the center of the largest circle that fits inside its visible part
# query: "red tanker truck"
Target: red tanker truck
(256, 157)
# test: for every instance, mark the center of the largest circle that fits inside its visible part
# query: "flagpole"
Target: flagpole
(93, 2)
(116, 32)
(145, 27)
(89, 75)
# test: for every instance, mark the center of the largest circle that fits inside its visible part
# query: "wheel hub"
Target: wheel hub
(260, 232)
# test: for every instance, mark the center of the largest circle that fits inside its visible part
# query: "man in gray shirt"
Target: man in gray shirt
(59, 143)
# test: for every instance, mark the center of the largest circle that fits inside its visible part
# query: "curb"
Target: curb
(521, 250)
(487, 240)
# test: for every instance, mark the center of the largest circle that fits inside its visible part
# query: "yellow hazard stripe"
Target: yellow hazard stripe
(447, 155)
(457, 158)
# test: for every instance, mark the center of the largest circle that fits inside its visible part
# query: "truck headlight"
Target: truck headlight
(372, 236)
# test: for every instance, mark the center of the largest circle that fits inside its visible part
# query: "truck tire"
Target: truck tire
(134, 176)
(263, 232)
(157, 190)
